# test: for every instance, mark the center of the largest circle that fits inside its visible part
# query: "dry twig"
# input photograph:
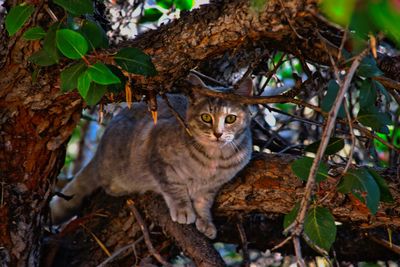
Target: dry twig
(146, 235)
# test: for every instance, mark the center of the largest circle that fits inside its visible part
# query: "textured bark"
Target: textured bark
(258, 198)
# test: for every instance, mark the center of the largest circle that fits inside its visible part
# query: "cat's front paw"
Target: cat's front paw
(206, 227)
(184, 215)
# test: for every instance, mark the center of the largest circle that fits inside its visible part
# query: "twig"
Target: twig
(146, 235)
(296, 228)
(177, 115)
(243, 239)
(353, 139)
(254, 99)
(297, 250)
(290, 21)
(272, 72)
(281, 244)
(201, 75)
(98, 241)
(119, 251)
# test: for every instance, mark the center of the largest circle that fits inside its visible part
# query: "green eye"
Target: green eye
(230, 119)
(206, 117)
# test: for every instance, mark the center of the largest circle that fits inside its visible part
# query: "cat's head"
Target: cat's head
(217, 121)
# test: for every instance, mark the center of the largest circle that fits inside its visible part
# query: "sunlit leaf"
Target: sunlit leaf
(363, 186)
(386, 16)
(84, 82)
(99, 73)
(70, 75)
(134, 60)
(184, 4)
(71, 43)
(76, 7)
(35, 33)
(339, 11)
(258, 5)
(17, 17)
(150, 15)
(319, 226)
(301, 167)
(335, 145)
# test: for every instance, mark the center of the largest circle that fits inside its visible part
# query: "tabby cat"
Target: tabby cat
(135, 155)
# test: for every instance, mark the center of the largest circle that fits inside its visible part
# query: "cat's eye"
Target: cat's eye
(206, 117)
(230, 119)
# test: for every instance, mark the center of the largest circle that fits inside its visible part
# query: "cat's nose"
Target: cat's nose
(218, 135)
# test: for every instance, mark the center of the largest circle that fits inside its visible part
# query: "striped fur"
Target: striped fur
(136, 156)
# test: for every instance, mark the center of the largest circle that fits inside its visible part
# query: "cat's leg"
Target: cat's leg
(179, 203)
(202, 202)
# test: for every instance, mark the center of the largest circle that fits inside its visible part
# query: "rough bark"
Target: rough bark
(258, 198)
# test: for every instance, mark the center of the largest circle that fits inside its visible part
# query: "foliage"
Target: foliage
(88, 73)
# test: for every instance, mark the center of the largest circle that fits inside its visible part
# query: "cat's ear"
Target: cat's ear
(245, 88)
(195, 80)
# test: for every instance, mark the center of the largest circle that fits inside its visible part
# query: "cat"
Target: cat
(135, 155)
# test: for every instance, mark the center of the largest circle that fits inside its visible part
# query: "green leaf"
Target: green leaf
(35, 33)
(291, 216)
(150, 15)
(367, 94)
(371, 117)
(368, 68)
(95, 93)
(339, 11)
(330, 97)
(184, 4)
(17, 17)
(84, 81)
(386, 196)
(94, 34)
(134, 60)
(70, 75)
(76, 7)
(379, 87)
(386, 16)
(335, 145)
(319, 226)
(48, 55)
(42, 58)
(49, 42)
(72, 44)
(99, 73)
(363, 186)
(301, 167)
(167, 4)
(117, 87)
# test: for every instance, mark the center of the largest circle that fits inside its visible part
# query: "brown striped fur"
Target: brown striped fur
(136, 156)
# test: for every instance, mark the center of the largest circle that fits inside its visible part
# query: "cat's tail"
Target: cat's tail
(82, 185)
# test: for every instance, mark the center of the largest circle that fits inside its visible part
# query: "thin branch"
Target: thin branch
(297, 249)
(243, 238)
(119, 251)
(177, 115)
(146, 235)
(254, 99)
(297, 227)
